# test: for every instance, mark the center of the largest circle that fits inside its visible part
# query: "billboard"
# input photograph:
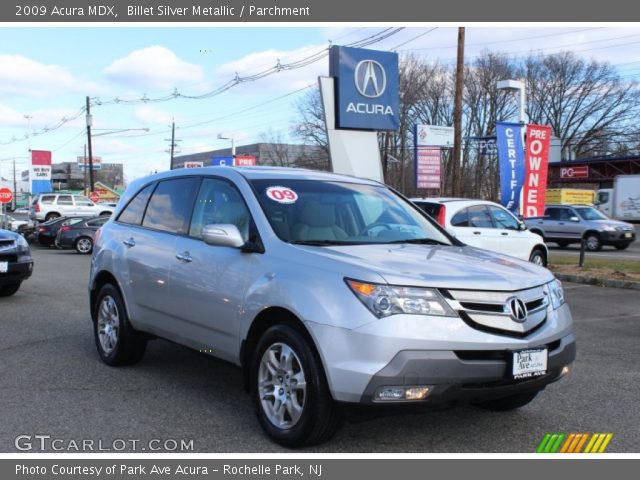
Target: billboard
(428, 167)
(40, 172)
(366, 84)
(96, 162)
(193, 164)
(434, 136)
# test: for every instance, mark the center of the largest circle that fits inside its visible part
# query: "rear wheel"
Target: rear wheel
(84, 245)
(8, 290)
(289, 389)
(593, 242)
(118, 343)
(508, 403)
(538, 257)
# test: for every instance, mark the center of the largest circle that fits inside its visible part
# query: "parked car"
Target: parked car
(11, 223)
(16, 263)
(79, 235)
(325, 289)
(47, 206)
(46, 232)
(567, 224)
(487, 225)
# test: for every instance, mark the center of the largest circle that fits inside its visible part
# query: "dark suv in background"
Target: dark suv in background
(16, 263)
(566, 224)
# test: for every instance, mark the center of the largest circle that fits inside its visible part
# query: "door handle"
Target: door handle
(184, 256)
(130, 242)
(504, 233)
(477, 233)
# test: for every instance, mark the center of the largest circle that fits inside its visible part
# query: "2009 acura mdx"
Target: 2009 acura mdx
(326, 290)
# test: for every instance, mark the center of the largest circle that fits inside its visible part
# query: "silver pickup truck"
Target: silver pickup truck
(566, 224)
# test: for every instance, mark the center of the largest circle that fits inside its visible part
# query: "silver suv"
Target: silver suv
(325, 290)
(47, 206)
(566, 224)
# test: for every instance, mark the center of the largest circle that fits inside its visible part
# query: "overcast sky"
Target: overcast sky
(47, 72)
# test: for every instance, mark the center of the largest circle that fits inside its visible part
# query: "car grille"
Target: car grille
(489, 311)
(7, 245)
(8, 258)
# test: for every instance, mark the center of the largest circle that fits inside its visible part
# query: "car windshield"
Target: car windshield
(314, 212)
(590, 213)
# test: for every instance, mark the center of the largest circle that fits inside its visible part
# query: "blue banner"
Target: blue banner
(40, 186)
(222, 161)
(511, 163)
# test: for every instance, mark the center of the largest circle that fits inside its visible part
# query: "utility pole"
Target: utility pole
(457, 118)
(15, 186)
(173, 144)
(84, 171)
(89, 122)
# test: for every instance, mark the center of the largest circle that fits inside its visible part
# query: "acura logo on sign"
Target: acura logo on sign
(370, 78)
(517, 309)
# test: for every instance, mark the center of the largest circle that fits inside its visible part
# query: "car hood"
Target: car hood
(438, 266)
(613, 223)
(7, 235)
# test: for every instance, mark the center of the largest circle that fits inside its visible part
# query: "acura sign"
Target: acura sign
(366, 88)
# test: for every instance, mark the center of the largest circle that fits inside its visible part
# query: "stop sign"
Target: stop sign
(5, 195)
(94, 196)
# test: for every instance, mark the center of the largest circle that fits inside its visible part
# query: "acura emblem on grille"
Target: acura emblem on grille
(517, 309)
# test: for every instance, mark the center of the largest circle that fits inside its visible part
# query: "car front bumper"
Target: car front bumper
(457, 362)
(618, 238)
(17, 271)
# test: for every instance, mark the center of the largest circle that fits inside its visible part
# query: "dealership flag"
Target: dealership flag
(537, 159)
(40, 173)
(511, 161)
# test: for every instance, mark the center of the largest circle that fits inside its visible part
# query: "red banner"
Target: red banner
(536, 165)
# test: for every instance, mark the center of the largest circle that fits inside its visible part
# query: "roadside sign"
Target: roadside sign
(193, 164)
(5, 195)
(434, 136)
(222, 161)
(574, 172)
(245, 161)
(94, 196)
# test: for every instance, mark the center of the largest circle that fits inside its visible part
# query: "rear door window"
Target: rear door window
(48, 199)
(170, 206)
(133, 212)
(479, 217)
(65, 200)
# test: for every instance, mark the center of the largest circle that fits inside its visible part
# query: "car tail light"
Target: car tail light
(441, 215)
(65, 228)
(42, 229)
(36, 207)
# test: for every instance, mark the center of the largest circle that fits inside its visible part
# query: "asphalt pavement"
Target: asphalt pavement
(52, 383)
(610, 253)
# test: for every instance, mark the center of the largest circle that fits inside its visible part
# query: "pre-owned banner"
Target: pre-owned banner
(537, 161)
(40, 173)
(511, 162)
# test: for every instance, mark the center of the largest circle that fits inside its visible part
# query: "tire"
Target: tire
(118, 343)
(594, 244)
(84, 245)
(511, 402)
(51, 216)
(622, 246)
(8, 290)
(538, 257)
(563, 244)
(308, 415)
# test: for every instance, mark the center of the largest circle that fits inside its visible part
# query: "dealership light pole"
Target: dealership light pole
(229, 136)
(516, 86)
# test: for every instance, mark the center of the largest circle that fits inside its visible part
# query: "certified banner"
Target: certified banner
(511, 162)
(40, 173)
(537, 161)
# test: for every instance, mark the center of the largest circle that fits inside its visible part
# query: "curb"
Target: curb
(599, 282)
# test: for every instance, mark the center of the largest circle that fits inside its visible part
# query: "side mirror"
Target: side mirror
(222, 235)
(574, 219)
(522, 226)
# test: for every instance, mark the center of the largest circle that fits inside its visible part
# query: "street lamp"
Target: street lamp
(229, 136)
(516, 86)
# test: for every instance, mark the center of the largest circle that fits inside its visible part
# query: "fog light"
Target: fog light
(565, 371)
(391, 394)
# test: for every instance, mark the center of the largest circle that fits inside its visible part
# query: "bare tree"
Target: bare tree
(310, 126)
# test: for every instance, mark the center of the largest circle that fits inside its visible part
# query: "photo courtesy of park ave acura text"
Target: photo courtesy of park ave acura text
(314, 238)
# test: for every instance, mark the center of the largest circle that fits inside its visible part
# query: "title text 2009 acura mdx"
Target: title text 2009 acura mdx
(326, 290)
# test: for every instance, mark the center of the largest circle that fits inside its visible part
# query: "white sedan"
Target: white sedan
(487, 225)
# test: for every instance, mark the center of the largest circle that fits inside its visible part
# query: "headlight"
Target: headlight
(556, 292)
(23, 246)
(385, 300)
(609, 228)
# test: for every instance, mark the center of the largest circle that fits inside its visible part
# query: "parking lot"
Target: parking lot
(53, 383)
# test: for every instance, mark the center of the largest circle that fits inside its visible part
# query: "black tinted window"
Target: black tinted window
(461, 219)
(97, 222)
(552, 213)
(170, 205)
(133, 212)
(479, 217)
(431, 209)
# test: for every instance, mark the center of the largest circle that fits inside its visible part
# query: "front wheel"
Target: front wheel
(84, 245)
(508, 403)
(118, 343)
(593, 242)
(8, 290)
(538, 257)
(289, 389)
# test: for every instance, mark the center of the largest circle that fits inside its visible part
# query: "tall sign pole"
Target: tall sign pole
(89, 122)
(457, 116)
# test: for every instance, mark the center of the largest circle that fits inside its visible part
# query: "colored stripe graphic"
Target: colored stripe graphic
(574, 442)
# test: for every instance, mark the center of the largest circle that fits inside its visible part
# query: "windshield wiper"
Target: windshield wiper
(322, 243)
(420, 241)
